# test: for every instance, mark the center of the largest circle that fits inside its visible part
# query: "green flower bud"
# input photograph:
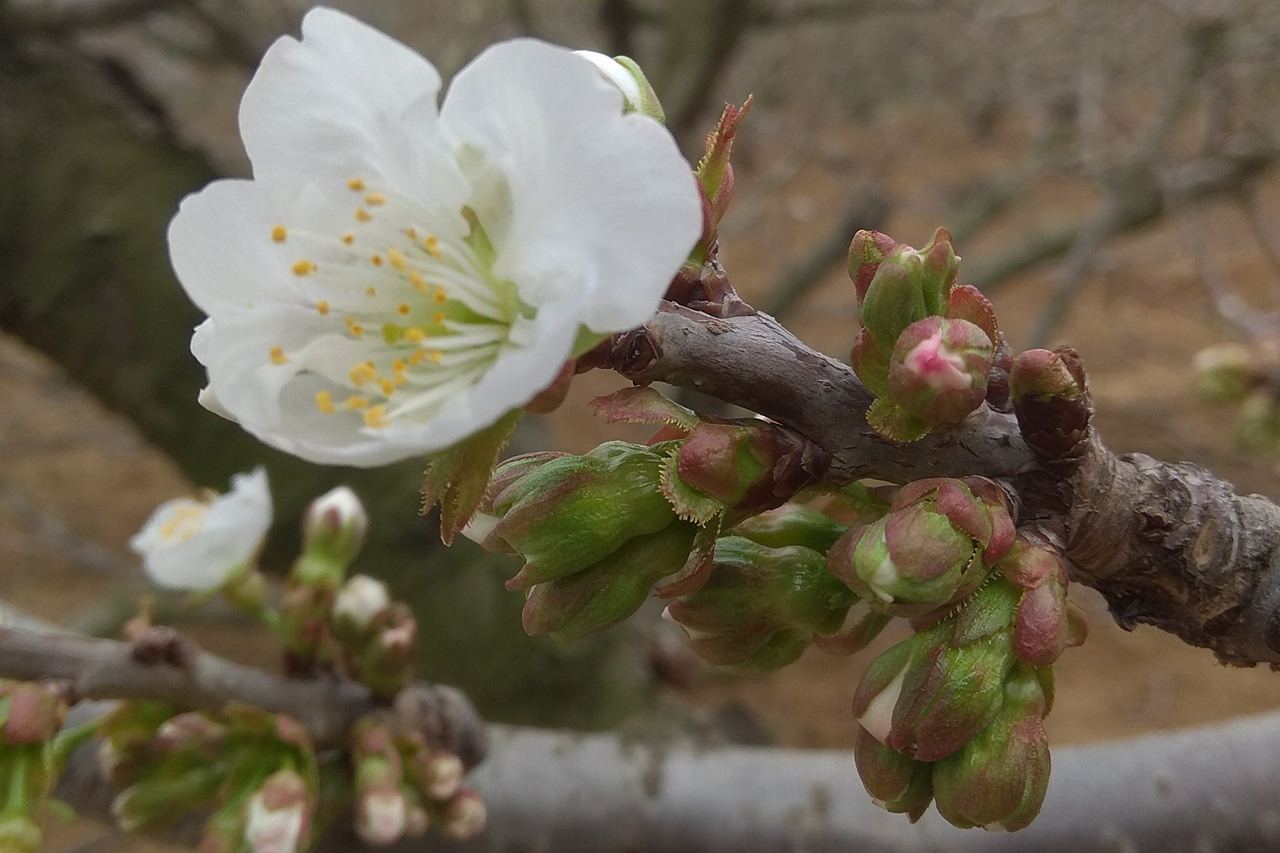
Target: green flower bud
(898, 784)
(907, 285)
(333, 531)
(603, 595)
(1226, 373)
(792, 524)
(574, 511)
(930, 549)
(761, 607)
(999, 778)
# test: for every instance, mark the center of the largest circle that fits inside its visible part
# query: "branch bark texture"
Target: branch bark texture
(1167, 544)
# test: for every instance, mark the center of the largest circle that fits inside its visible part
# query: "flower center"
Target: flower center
(416, 312)
(184, 522)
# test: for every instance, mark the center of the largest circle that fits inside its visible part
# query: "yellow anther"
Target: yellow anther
(362, 373)
(354, 327)
(376, 418)
(397, 259)
(323, 307)
(419, 283)
(398, 365)
(388, 388)
(279, 234)
(438, 319)
(304, 267)
(411, 233)
(348, 238)
(417, 356)
(432, 245)
(355, 185)
(324, 402)
(403, 308)
(376, 260)
(375, 199)
(440, 296)
(356, 403)
(414, 335)
(362, 215)
(278, 356)
(434, 356)
(371, 291)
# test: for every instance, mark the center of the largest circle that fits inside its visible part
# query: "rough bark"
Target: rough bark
(1167, 543)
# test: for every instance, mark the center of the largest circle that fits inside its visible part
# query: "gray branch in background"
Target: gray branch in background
(1198, 789)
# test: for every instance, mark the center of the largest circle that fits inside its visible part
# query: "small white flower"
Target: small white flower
(397, 277)
(381, 816)
(196, 545)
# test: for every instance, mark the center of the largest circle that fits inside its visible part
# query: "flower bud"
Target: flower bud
(385, 662)
(381, 810)
(278, 815)
(508, 475)
(761, 607)
(929, 549)
(436, 773)
(334, 529)
(999, 778)
(464, 816)
(623, 72)
(603, 595)
(191, 732)
(1048, 390)
(574, 511)
(907, 284)
(927, 696)
(165, 795)
(360, 601)
(791, 524)
(35, 713)
(938, 370)
(898, 784)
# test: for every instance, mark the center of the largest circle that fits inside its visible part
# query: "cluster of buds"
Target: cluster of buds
(256, 772)
(349, 624)
(934, 546)
(927, 344)
(32, 754)
(954, 714)
(598, 531)
(404, 785)
(762, 605)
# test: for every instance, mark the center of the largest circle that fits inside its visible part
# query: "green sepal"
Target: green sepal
(456, 478)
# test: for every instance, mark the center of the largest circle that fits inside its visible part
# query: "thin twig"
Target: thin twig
(69, 15)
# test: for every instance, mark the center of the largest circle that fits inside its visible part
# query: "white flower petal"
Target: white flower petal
(602, 204)
(347, 102)
(186, 544)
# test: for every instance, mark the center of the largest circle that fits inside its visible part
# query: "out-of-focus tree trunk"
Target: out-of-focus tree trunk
(90, 175)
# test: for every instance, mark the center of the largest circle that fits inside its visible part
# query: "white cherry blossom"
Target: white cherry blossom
(197, 544)
(398, 276)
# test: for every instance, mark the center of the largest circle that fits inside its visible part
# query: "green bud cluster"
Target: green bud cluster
(255, 772)
(762, 606)
(934, 545)
(926, 345)
(954, 714)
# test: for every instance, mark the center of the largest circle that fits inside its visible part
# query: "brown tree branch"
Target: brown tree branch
(1167, 544)
(327, 707)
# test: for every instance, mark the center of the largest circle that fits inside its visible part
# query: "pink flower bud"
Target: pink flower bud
(381, 816)
(358, 602)
(36, 713)
(938, 370)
